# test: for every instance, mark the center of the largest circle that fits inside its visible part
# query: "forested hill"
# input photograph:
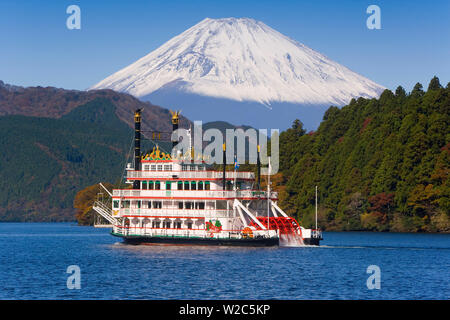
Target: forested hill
(380, 164)
(45, 161)
(50, 102)
(56, 142)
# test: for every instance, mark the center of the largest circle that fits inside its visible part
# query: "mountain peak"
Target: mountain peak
(230, 20)
(241, 59)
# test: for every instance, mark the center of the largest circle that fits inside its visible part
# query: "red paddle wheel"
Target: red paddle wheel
(286, 225)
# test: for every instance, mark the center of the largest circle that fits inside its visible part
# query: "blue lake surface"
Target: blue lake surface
(34, 258)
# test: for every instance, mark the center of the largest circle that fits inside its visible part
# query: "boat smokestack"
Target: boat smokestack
(224, 165)
(137, 145)
(175, 121)
(258, 172)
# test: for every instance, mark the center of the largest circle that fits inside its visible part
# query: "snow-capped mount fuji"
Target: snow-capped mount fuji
(238, 60)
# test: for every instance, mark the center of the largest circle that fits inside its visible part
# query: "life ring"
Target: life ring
(247, 232)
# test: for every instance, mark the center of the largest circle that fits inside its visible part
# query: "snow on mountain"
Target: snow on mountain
(242, 60)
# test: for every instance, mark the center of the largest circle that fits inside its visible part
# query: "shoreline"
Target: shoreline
(337, 231)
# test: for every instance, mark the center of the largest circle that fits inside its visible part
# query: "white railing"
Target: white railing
(316, 234)
(218, 194)
(153, 232)
(104, 211)
(190, 174)
(188, 213)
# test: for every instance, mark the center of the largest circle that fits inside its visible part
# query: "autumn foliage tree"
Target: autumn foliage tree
(84, 201)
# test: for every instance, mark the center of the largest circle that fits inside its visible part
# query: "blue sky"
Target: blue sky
(37, 48)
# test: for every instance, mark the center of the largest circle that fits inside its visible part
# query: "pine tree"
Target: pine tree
(400, 92)
(434, 84)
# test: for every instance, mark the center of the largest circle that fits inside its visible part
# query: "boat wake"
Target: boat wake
(291, 240)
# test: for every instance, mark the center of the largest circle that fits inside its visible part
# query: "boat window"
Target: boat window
(116, 204)
(168, 167)
(126, 204)
(153, 167)
(157, 185)
(186, 185)
(180, 205)
(146, 167)
(193, 185)
(180, 185)
(157, 204)
(207, 186)
(200, 185)
(189, 225)
(221, 204)
(159, 167)
(210, 205)
(168, 185)
(144, 185)
(166, 224)
(149, 205)
(138, 204)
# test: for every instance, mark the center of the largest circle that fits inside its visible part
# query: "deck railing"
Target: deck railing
(186, 213)
(153, 232)
(190, 174)
(188, 194)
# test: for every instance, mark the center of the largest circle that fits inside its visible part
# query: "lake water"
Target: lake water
(34, 258)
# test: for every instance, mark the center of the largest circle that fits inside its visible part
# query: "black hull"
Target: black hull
(261, 242)
(312, 241)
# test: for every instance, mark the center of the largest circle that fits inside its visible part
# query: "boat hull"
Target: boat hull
(312, 241)
(250, 242)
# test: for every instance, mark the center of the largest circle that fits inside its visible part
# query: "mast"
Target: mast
(137, 145)
(224, 165)
(316, 207)
(268, 197)
(191, 149)
(258, 165)
(235, 167)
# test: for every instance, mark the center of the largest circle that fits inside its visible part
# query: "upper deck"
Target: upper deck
(190, 175)
(193, 194)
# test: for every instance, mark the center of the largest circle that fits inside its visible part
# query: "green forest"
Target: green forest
(45, 161)
(379, 164)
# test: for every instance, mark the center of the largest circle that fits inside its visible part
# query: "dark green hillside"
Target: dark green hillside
(380, 164)
(44, 162)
